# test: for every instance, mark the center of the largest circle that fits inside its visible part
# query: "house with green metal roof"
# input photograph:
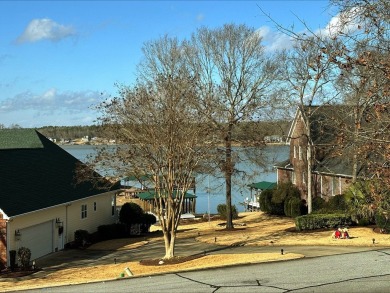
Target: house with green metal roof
(41, 202)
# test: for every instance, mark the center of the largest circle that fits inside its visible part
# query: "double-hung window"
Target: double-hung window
(83, 211)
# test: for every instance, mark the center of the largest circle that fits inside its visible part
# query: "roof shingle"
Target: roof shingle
(35, 174)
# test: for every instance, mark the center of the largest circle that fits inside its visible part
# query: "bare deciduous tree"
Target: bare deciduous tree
(234, 79)
(355, 45)
(308, 76)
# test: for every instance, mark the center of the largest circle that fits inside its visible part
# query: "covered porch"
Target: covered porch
(252, 203)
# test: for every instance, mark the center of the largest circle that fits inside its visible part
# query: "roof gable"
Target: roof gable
(324, 122)
(34, 178)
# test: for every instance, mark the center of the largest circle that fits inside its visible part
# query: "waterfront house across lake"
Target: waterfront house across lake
(41, 205)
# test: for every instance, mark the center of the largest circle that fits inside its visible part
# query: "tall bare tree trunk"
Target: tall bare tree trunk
(309, 153)
(355, 138)
(309, 158)
(228, 177)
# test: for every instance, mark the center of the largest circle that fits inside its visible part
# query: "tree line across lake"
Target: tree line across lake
(245, 132)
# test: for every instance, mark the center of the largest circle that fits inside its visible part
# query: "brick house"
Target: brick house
(41, 205)
(332, 170)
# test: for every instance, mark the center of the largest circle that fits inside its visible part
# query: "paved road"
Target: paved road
(365, 271)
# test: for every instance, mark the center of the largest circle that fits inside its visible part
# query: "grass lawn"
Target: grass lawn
(252, 228)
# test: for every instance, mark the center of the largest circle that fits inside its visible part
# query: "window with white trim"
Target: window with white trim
(295, 151)
(300, 152)
(83, 211)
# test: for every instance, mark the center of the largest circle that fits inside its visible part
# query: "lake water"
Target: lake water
(215, 184)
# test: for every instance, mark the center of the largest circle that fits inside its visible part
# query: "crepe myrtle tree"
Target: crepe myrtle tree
(159, 131)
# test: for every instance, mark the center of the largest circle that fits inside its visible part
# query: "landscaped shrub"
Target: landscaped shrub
(276, 208)
(320, 221)
(221, 209)
(112, 231)
(383, 222)
(318, 203)
(277, 201)
(81, 237)
(284, 191)
(287, 206)
(24, 256)
(294, 207)
(267, 204)
(337, 203)
(147, 221)
(130, 214)
(265, 201)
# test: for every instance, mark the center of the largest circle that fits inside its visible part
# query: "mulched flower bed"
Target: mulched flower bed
(172, 261)
(17, 272)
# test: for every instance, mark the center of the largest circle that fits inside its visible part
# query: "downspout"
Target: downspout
(7, 229)
(66, 223)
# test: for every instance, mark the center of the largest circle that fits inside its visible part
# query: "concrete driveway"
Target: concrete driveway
(76, 258)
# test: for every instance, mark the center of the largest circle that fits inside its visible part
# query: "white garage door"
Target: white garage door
(38, 238)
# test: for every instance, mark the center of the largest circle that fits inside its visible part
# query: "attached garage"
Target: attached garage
(40, 203)
(38, 238)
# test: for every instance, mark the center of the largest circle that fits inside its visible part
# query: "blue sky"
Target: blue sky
(57, 58)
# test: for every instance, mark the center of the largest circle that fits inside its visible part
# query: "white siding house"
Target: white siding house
(41, 205)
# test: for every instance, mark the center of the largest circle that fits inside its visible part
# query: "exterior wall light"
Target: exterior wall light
(17, 235)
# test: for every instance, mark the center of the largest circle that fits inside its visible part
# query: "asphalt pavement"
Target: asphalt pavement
(362, 271)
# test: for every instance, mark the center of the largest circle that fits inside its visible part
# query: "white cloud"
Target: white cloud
(52, 100)
(51, 108)
(45, 29)
(274, 41)
(342, 23)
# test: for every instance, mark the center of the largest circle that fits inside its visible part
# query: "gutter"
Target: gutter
(61, 204)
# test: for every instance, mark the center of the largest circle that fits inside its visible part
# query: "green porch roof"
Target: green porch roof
(149, 195)
(263, 185)
(136, 178)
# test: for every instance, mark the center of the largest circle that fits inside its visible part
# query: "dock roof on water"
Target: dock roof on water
(263, 185)
(149, 195)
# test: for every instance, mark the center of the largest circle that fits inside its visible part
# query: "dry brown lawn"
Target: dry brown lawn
(253, 228)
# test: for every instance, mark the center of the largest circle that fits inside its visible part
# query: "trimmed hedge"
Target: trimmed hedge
(112, 231)
(320, 221)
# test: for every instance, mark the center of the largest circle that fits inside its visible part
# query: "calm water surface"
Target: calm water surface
(215, 185)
